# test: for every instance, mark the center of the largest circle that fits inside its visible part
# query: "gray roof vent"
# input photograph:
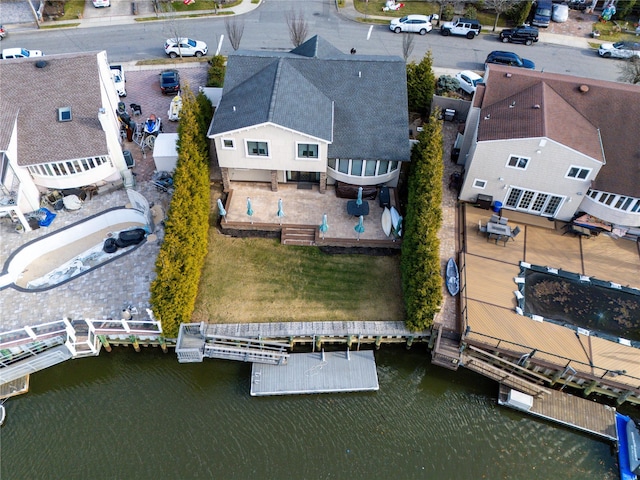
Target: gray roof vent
(64, 114)
(41, 63)
(583, 88)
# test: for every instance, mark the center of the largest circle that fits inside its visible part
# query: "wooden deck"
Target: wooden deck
(571, 411)
(489, 316)
(319, 372)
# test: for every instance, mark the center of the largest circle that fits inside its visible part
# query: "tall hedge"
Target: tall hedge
(183, 251)
(420, 264)
(421, 84)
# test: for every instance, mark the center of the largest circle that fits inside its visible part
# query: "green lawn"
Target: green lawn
(374, 7)
(260, 280)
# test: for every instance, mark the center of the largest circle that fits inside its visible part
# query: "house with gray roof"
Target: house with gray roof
(555, 146)
(313, 114)
(58, 128)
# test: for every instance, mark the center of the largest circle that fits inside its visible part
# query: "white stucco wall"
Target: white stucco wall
(546, 171)
(282, 150)
(608, 214)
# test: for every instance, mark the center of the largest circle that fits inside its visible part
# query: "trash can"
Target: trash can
(128, 158)
(385, 197)
(497, 206)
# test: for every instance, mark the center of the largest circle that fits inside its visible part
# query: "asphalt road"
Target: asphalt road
(266, 28)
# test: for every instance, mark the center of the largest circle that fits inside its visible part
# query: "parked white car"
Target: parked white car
(619, 50)
(119, 80)
(101, 3)
(185, 47)
(411, 23)
(469, 80)
(20, 53)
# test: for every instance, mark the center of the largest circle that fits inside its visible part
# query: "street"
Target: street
(265, 28)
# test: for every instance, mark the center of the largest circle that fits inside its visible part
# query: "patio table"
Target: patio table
(354, 209)
(501, 232)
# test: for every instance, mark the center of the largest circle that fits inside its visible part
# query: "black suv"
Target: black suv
(169, 81)
(523, 34)
(508, 58)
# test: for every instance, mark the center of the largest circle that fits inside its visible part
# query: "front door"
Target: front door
(303, 177)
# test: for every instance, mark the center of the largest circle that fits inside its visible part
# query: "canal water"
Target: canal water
(145, 416)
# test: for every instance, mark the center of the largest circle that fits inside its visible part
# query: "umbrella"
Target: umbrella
(221, 210)
(359, 199)
(399, 227)
(249, 209)
(324, 227)
(280, 213)
(360, 226)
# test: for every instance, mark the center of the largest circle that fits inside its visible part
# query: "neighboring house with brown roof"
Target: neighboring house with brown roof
(58, 128)
(553, 145)
(312, 115)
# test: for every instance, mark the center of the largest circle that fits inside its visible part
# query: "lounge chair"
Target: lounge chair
(514, 233)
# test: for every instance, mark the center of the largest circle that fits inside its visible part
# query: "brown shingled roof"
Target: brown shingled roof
(70, 80)
(572, 110)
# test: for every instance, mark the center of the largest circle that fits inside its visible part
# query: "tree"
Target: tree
(407, 45)
(298, 28)
(184, 248)
(171, 24)
(421, 83)
(420, 263)
(235, 30)
(500, 6)
(216, 72)
(630, 71)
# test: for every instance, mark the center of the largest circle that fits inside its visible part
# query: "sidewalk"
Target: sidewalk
(349, 12)
(120, 13)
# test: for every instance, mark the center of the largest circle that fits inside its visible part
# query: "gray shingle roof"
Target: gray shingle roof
(70, 80)
(571, 109)
(368, 93)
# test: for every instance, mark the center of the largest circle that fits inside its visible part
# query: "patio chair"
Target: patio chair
(481, 228)
(494, 218)
(503, 220)
(514, 233)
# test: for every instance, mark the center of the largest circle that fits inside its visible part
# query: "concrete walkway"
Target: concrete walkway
(18, 16)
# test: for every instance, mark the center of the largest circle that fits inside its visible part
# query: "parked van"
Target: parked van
(542, 13)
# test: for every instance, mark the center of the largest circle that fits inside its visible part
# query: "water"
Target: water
(144, 416)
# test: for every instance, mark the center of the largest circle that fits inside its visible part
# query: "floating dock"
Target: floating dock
(318, 372)
(574, 412)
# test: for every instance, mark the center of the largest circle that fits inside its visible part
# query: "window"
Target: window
(307, 150)
(343, 166)
(332, 163)
(477, 183)
(517, 162)
(578, 173)
(394, 166)
(384, 167)
(370, 168)
(228, 144)
(356, 168)
(538, 203)
(257, 149)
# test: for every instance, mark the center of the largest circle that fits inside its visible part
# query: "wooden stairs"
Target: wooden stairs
(298, 235)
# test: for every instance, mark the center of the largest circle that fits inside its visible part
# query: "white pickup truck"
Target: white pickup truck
(117, 74)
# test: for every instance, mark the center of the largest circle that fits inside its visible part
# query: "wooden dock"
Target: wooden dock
(574, 412)
(318, 372)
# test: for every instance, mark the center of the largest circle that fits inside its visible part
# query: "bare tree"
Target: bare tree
(500, 6)
(407, 45)
(630, 71)
(298, 28)
(171, 24)
(235, 29)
